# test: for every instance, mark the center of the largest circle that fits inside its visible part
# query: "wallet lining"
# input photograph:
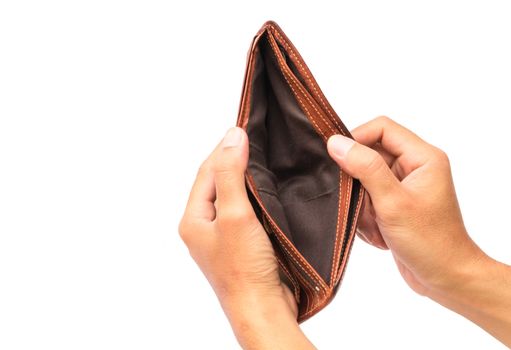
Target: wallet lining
(297, 181)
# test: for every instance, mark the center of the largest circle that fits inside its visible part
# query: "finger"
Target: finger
(365, 164)
(387, 157)
(202, 195)
(229, 164)
(367, 227)
(395, 164)
(200, 210)
(372, 238)
(393, 137)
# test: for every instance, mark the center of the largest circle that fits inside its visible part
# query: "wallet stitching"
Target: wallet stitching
(337, 230)
(334, 260)
(312, 119)
(292, 253)
(246, 86)
(255, 146)
(308, 100)
(291, 278)
(311, 198)
(318, 300)
(306, 110)
(283, 66)
(336, 248)
(343, 230)
(304, 71)
(346, 213)
(307, 287)
(317, 306)
(282, 262)
(246, 94)
(356, 216)
(269, 192)
(300, 282)
(307, 290)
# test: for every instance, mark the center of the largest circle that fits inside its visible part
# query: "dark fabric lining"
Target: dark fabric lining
(296, 179)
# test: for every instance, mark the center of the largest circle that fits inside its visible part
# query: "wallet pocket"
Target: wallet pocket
(308, 206)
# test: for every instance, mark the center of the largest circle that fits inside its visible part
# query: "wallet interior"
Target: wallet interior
(294, 176)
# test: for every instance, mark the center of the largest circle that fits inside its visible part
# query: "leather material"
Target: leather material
(307, 205)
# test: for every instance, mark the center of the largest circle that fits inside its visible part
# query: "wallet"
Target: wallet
(307, 205)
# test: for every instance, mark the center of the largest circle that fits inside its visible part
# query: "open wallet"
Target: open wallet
(308, 206)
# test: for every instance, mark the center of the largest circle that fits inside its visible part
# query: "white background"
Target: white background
(108, 107)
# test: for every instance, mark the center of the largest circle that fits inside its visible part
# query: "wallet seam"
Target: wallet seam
(297, 85)
(315, 278)
(297, 266)
(307, 76)
(286, 74)
(301, 66)
(337, 229)
(300, 273)
(296, 286)
(296, 256)
(335, 258)
(340, 271)
(310, 300)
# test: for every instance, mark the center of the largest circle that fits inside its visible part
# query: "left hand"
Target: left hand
(233, 251)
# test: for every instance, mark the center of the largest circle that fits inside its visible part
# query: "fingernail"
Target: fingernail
(340, 145)
(232, 138)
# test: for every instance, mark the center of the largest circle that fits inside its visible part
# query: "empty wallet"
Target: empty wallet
(308, 206)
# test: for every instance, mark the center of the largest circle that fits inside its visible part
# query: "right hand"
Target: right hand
(411, 206)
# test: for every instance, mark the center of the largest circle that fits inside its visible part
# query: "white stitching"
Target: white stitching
(293, 255)
(357, 210)
(283, 41)
(285, 241)
(313, 120)
(348, 190)
(298, 85)
(334, 258)
(296, 286)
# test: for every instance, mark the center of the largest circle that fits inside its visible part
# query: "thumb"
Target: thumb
(229, 165)
(365, 164)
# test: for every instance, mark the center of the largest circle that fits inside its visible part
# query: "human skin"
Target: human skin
(411, 208)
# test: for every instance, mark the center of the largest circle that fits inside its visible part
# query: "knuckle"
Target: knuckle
(405, 203)
(399, 207)
(224, 166)
(439, 158)
(227, 180)
(373, 163)
(224, 171)
(233, 217)
(184, 230)
(204, 168)
(383, 119)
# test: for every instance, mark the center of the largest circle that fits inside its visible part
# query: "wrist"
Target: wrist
(462, 280)
(457, 269)
(482, 294)
(264, 321)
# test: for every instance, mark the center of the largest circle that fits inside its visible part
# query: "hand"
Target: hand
(412, 209)
(232, 249)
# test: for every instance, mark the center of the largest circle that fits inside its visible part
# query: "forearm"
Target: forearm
(482, 294)
(264, 324)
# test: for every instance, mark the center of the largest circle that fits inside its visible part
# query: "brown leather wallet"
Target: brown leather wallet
(307, 205)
